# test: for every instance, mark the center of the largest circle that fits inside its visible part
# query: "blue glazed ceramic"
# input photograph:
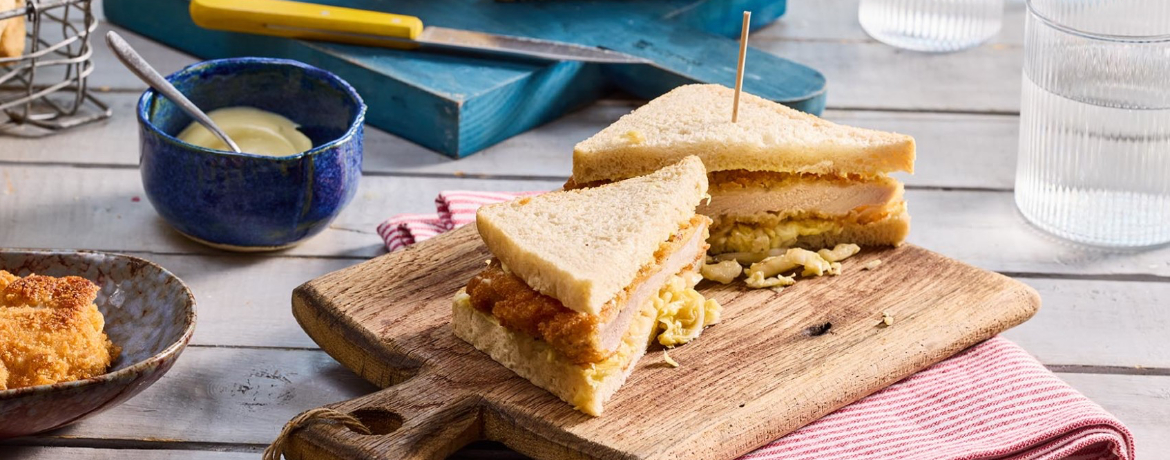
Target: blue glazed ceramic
(252, 202)
(148, 312)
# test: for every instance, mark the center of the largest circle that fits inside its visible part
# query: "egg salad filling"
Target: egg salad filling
(770, 271)
(759, 233)
(723, 272)
(779, 269)
(759, 237)
(683, 312)
(579, 337)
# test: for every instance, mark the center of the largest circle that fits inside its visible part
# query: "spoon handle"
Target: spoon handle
(133, 61)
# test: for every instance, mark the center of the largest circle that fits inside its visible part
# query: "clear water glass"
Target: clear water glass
(1094, 158)
(931, 25)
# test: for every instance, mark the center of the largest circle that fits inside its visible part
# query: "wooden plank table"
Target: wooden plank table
(1103, 327)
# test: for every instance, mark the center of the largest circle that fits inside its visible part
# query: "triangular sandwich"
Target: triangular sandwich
(779, 177)
(583, 280)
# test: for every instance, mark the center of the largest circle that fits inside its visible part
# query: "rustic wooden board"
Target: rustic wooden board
(460, 103)
(755, 377)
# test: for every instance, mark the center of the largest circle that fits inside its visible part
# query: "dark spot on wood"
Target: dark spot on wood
(818, 329)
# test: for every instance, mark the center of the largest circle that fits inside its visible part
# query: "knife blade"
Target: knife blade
(312, 21)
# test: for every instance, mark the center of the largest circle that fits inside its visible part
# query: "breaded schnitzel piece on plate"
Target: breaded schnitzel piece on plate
(50, 331)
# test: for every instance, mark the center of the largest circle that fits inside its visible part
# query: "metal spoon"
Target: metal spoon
(133, 61)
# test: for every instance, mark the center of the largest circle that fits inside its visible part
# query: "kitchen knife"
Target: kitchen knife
(311, 21)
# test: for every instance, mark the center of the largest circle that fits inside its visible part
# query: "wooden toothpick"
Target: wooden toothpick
(743, 38)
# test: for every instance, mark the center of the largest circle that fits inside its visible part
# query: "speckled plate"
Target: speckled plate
(149, 313)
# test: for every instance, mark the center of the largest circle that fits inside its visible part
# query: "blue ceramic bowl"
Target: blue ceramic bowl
(248, 202)
(148, 312)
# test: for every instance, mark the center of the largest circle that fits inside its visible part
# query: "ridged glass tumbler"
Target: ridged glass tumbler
(1094, 157)
(931, 25)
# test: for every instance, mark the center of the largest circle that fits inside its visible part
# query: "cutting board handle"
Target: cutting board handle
(422, 418)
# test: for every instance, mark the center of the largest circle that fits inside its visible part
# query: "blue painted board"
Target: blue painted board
(458, 104)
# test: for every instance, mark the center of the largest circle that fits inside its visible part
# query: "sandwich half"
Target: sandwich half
(583, 280)
(779, 177)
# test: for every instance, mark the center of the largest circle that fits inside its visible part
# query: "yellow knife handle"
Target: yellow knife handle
(307, 20)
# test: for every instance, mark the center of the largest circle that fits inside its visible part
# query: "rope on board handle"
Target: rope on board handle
(321, 414)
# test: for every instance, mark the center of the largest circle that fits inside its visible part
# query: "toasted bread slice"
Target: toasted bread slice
(696, 120)
(583, 247)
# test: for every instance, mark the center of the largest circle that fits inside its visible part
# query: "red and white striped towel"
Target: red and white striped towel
(992, 401)
(453, 209)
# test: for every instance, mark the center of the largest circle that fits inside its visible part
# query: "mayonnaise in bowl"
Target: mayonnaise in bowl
(255, 131)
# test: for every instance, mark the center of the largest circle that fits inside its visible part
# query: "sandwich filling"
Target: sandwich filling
(586, 386)
(739, 193)
(757, 211)
(580, 337)
(758, 233)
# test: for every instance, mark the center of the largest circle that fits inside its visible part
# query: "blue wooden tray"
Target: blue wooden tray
(459, 104)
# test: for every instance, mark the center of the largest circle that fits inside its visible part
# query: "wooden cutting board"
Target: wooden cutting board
(778, 361)
(458, 104)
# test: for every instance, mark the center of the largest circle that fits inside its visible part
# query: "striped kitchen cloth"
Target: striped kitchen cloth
(453, 209)
(992, 401)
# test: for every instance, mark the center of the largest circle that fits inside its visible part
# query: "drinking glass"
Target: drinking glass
(931, 25)
(1094, 158)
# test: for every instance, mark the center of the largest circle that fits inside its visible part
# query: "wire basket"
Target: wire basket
(43, 86)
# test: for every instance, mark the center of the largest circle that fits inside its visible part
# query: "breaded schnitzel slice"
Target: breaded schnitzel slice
(50, 331)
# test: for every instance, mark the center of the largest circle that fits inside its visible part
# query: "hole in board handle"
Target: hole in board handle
(379, 421)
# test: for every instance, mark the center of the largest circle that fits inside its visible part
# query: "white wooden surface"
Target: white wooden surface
(1103, 328)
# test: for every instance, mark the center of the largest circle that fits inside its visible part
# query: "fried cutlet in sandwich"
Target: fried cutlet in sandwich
(779, 177)
(583, 280)
(50, 331)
